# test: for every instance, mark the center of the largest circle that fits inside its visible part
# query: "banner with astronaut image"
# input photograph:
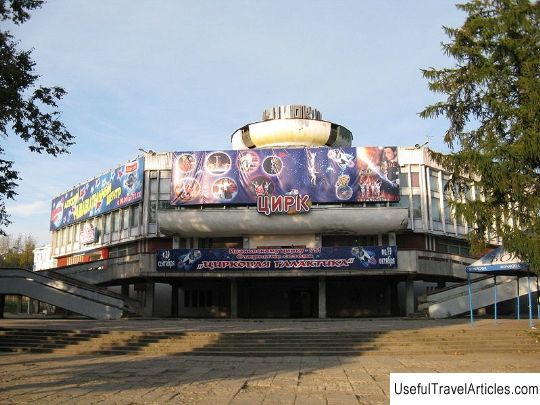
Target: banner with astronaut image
(327, 175)
(264, 259)
(115, 189)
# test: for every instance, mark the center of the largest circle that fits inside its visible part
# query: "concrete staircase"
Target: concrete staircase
(461, 341)
(65, 292)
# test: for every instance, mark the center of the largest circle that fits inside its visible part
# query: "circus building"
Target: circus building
(291, 222)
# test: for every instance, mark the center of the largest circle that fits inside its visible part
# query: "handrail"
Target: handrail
(90, 287)
(42, 280)
(126, 302)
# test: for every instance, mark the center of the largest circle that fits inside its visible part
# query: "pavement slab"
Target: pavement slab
(151, 378)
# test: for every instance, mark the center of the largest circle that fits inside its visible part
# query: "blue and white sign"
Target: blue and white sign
(327, 258)
(498, 261)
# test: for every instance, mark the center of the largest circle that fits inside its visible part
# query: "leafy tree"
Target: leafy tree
(493, 108)
(27, 110)
(17, 251)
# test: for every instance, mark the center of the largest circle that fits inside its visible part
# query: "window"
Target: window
(107, 223)
(435, 209)
(134, 218)
(417, 206)
(165, 189)
(415, 179)
(403, 201)
(115, 221)
(153, 189)
(152, 217)
(123, 250)
(125, 218)
(460, 220)
(453, 247)
(447, 213)
(404, 180)
(433, 181)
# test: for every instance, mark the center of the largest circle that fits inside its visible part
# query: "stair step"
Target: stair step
(398, 342)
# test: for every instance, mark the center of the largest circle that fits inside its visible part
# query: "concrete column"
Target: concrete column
(2, 302)
(409, 297)
(125, 290)
(322, 297)
(174, 299)
(234, 298)
(148, 308)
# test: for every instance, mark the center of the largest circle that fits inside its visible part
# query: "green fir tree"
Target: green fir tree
(493, 109)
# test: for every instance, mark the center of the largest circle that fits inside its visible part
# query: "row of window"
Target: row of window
(159, 189)
(411, 195)
(129, 217)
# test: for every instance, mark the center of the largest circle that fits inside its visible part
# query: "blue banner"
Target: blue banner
(115, 189)
(498, 261)
(325, 174)
(327, 258)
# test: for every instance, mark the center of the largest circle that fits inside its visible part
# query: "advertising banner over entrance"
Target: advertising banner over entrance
(327, 175)
(327, 258)
(115, 189)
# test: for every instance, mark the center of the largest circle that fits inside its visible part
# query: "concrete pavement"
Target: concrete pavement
(137, 379)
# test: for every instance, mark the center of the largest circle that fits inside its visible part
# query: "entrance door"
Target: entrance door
(301, 302)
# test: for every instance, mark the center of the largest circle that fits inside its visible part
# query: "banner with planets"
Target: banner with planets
(327, 175)
(115, 189)
(265, 259)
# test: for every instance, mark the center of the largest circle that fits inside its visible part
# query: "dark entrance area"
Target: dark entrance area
(278, 298)
(361, 297)
(203, 298)
(301, 303)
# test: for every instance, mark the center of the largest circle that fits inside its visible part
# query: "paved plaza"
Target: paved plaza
(137, 379)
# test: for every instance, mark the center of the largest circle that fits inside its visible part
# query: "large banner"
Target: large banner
(325, 174)
(328, 258)
(115, 189)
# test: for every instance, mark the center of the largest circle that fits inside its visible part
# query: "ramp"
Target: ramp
(75, 296)
(454, 300)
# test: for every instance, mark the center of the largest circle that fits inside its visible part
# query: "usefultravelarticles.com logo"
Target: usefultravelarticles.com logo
(464, 388)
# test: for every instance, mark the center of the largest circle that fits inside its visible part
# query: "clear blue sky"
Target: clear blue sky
(184, 75)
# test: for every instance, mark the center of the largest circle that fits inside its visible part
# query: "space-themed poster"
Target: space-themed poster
(327, 175)
(263, 259)
(114, 189)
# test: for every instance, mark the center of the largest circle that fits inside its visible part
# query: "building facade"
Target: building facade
(293, 222)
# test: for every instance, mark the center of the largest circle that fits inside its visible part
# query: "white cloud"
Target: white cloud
(29, 209)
